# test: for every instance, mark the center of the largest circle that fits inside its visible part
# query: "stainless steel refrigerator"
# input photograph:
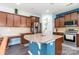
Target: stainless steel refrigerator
(36, 27)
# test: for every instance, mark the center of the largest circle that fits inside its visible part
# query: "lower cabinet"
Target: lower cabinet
(58, 46)
(77, 40)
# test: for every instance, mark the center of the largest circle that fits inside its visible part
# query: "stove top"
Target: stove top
(71, 31)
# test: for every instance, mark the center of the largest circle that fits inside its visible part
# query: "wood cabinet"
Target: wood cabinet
(10, 20)
(77, 40)
(78, 20)
(57, 22)
(67, 17)
(58, 46)
(14, 20)
(74, 16)
(33, 19)
(3, 19)
(17, 21)
(28, 22)
(61, 22)
(23, 21)
(23, 40)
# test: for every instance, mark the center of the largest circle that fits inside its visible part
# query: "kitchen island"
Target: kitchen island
(44, 45)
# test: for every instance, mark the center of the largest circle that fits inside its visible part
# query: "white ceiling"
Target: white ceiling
(40, 8)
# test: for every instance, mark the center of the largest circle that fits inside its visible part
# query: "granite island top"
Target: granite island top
(41, 39)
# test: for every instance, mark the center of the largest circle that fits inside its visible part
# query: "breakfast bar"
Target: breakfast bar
(44, 44)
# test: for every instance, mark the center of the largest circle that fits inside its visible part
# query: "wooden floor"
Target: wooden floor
(17, 50)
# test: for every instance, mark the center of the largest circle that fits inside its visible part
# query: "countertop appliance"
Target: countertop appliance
(70, 35)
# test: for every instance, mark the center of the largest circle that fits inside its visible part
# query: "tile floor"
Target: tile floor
(21, 50)
(17, 50)
(69, 48)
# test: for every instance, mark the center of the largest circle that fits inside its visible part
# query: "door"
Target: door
(17, 21)
(23, 21)
(3, 19)
(10, 20)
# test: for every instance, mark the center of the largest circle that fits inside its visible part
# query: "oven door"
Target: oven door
(70, 37)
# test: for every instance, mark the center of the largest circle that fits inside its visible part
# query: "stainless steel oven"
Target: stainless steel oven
(70, 37)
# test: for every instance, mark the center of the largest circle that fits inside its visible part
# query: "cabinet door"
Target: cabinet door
(67, 17)
(57, 22)
(3, 19)
(9, 19)
(74, 16)
(58, 46)
(77, 40)
(17, 21)
(33, 19)
(61, 21)
(78, 20)
(37, 19)
(23, 21)
(28, 22)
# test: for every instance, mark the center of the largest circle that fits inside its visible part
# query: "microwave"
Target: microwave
(71, 23)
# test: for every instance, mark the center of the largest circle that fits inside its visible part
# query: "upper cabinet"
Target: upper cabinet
(74, 16)
(17, 21)
(14, 20)
(23, 21)
(3, 19)
(78, 20)
(10, 20)
(61, 21)
(28, 22)
(34, 19)
(67, 17)
(57, 22)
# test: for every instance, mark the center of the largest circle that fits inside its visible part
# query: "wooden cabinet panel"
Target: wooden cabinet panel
(33, 19)
(10, 20)
(77, 40)
(67, 17)
(28, 21)
(2, 19)
(23, 21)
(58, 46)
(57, 22)
(61, 22)
(74, 16)
(78, 19)
(17, 21)
(23, 40)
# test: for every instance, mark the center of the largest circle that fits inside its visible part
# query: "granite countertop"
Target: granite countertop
(41, 39)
